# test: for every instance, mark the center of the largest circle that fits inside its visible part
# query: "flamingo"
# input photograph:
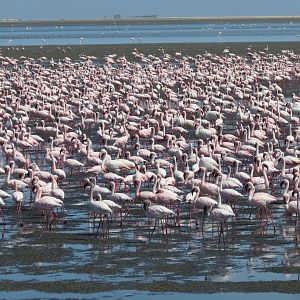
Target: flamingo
(200, 202)
(18, 198)
(12, 183)
(157, 212)
(260, 200)
(46, 205)
(100, 208)
(72, 164)
(297, 227)
(55, 171)
(145, 195)
(122, 198)
(92, 182)
(2, 204)
(291, 207)
(221, 213)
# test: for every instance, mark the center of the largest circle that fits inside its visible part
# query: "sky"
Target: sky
(91, 9)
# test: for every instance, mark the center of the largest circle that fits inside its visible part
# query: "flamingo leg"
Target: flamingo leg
(162, 225)
(121, 219)
(266, 215)
(232, 205)
(196, 217)
(250, 213)
(52, 219)
(178, 216)
(154, 227)
(260, 216)
(166, 225)
(48, 223)
(99, 224)
(19, 213)
(190, 216)
(64, 215)
(94, 221)
(125, 214)
(116, 185)
(219, 233)
(203, 219)
(222, 233)
(102, 222)
(3, 220)
(107, 225)
(271, 217)
(233, 230)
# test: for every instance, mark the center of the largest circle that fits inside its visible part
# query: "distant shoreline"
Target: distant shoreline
(145, 20)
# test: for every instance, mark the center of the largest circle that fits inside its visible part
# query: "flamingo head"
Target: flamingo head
(195, 189)
(35, 188)
(6, 169)
(216, 173)
(283, 183)
(294, 192)
(286, 198)
(85, 182)
(62, 151)
(146, 204)
(248, 186)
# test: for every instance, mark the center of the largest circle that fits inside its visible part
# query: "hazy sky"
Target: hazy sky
(68, 9)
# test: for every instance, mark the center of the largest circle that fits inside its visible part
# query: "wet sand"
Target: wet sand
(100, 51)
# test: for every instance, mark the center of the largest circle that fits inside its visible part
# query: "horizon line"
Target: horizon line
(152, 18)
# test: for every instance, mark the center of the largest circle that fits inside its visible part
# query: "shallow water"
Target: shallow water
(145, 295)
(149, 33)
(184, 260)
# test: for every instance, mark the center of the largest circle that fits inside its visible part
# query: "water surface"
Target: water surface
(20, 35)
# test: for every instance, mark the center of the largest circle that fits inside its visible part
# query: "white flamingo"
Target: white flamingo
(221, 213)
(157, 212)
(47, 204)
(100, 208)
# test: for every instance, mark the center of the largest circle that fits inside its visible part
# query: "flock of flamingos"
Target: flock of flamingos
(193, 138)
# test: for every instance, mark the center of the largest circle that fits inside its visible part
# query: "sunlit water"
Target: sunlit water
(148, 33)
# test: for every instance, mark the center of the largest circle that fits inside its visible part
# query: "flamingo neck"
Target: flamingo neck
(221, 183)
(251, 173)
(296, 186)
(203, 177)
(175, 164)
(236, 169)
(283, 167)
(113, 188)
(92, 193)
(53, 165)
(38, 195)
(155, 185)
(8, 176)
(137, 192)
(251, 193)
(286, 189)
(219, 198)
(266, 179)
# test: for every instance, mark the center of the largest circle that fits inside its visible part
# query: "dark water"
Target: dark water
(148, 33)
